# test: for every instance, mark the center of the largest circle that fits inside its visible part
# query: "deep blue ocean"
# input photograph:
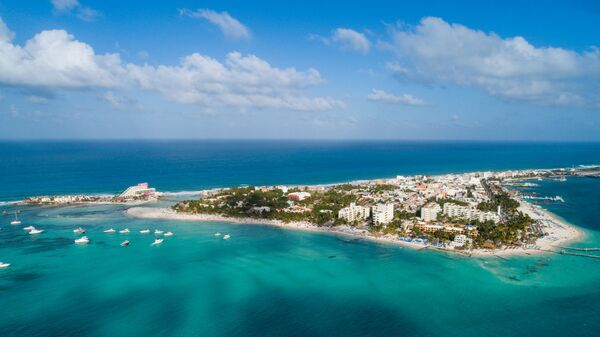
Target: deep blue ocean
(35, 168)
(267, 281)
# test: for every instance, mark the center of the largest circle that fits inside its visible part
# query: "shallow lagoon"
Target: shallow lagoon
(266, 281)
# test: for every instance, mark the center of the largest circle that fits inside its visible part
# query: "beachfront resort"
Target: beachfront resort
(461, 212)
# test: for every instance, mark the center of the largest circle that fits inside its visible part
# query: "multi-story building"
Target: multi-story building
(460, 240)
(430, 212)
(139, 190)
(457, 211)
(383, 213)
(353, 213)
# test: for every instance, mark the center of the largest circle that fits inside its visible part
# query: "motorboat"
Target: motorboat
(217, 234)
(157, 232)
(16, 221)
(28, 228)
(4, 265)
(125, 243)
(36, 231)
(124, 231)
(82, 240)
(144, 231)
(226, 236)
(110, 231)
(79, 230)
(157, 242)
(168, 234)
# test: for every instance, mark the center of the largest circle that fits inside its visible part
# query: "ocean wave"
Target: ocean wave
(5, 203)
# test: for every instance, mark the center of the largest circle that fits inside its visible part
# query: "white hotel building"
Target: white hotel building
(430, 212)
(139, 190)
(353, 213)
(457, 211)
(383, 213)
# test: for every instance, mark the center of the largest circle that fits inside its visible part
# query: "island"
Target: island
(137, 194)
(478, 213)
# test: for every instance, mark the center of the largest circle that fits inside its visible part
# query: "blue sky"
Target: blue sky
(503, 70)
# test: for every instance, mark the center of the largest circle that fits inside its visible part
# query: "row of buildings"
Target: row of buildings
(431, 211)
(381, 213)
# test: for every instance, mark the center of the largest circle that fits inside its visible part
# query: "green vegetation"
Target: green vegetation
(380, 188)
(500, 199)
(322, 208)
(441, 236)
(442, 201)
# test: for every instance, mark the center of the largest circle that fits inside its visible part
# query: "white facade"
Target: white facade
(457, 211)
(354, 212)
(383, 213)
(430, 213)
(460, 240)
(138, 190)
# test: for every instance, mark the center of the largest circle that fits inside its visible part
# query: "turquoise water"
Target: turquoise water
(266, 281)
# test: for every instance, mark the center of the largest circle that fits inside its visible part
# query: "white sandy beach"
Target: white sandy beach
(559, 232)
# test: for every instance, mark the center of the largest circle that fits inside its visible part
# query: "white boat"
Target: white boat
(110, 231)
(124, 231)
(79, 230)
(168, 234)
(157, 242)
(4, 265)
(217, 234)
(28, 228)
(157, 232)
(16, 221)
(125, 243)
(144, 231)
(226, 236)
(82, 240)
(36, 231)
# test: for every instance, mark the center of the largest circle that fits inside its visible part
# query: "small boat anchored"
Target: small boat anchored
(217, 234)
(157, 242)
(110, 231)
(144, 231)
(168, 234)
(16, 221)
(82, 240)
(28, 228)
(4, 265)
(124, 231)
(158, 232)
(36, 231)
(79, 230)
(226, 237)
(125, 243)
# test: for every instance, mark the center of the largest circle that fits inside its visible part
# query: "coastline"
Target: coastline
(558, 230)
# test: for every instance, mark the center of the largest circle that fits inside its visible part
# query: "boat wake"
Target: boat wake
(5, 203)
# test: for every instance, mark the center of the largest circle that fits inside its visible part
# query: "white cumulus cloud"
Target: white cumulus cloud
(351, 39)
(509, 68)
(229, 25)
(239, 81)
(345, 38)
(384, 97)
(54, 59)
